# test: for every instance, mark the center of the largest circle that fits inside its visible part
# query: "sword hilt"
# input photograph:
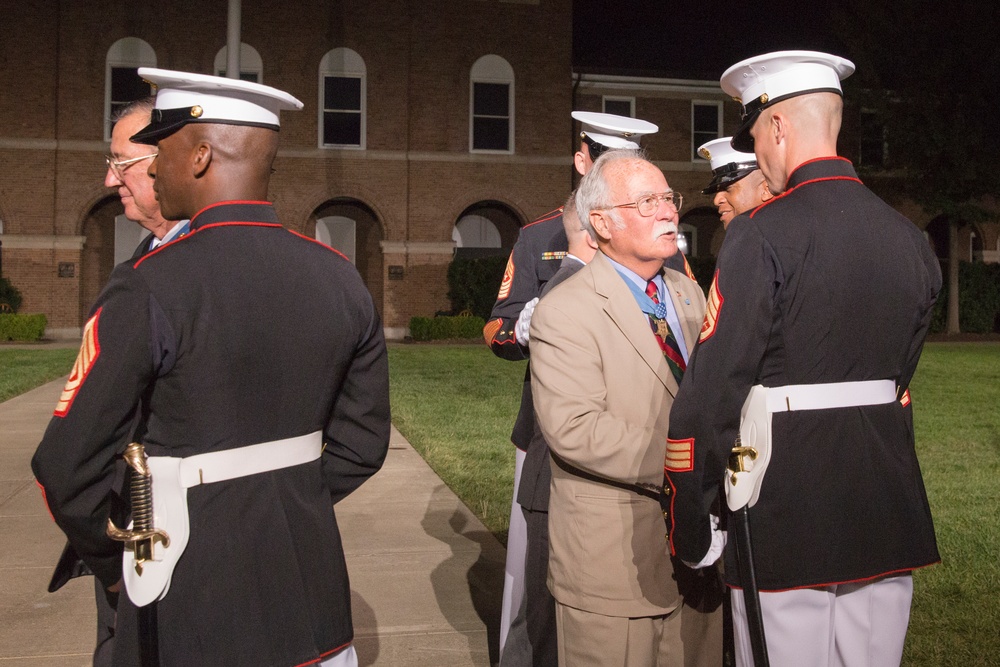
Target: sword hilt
(738, 459)
(142, 535)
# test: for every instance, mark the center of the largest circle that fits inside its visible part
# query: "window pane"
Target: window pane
(342, 128)
(872, 151)
(491, 99)
(127, 85)
(252, 77)
(490, 134)
(706, 119)
(341, 92)
(618, 107)
(701, 138)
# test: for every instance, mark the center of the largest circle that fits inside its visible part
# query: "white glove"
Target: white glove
(715, 550)
(524, 322)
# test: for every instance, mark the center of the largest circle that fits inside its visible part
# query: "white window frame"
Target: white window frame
(687, 227)
(250, 62)
(492, 69)
(127, 52)
(695, 143)
(618, 98)
(343, 63)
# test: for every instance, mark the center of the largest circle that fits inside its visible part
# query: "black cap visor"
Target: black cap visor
(742, 140)
(164, 122)
(723, 177)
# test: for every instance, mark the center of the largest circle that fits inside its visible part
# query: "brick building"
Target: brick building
(427, 126)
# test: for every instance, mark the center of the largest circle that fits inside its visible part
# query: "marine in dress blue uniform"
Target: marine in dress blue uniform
(825, 283)
(240, 332)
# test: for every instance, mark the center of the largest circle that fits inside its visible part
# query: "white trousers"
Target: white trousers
(343, 658)
(846, 625)
(517, 544)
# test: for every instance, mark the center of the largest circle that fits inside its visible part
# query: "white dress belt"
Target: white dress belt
(830, 395)
(250, 460)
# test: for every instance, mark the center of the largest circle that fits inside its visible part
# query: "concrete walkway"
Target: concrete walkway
(426, 575)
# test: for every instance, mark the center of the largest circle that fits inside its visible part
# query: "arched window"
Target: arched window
(121, 79)
(475, 231)
(491, 106)
(339, 232)
(342, 100)
(251, 66)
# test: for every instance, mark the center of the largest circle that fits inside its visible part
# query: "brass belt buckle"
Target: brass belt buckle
(142, 535)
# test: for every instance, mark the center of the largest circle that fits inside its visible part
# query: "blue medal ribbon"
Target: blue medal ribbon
(656, 310)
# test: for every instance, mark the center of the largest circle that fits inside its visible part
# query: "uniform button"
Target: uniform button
(666, 490)
(666, 515)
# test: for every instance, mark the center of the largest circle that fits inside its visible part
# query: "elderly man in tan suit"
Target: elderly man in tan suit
(609, 346)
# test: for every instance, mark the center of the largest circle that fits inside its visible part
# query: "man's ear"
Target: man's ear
(580, 162)
(778, 127)
(765, 192)
(601, 224)
(202, 159)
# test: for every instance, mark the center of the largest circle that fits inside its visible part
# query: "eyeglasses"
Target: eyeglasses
(647, 205)
(118, 167)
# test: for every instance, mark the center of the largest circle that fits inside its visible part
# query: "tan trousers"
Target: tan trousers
(682, 638)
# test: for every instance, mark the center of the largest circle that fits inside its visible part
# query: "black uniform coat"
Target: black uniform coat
(824, 283)
(536, 257)
(239, 333)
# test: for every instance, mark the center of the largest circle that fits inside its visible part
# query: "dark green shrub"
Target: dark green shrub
(978, 299)
(22, 327)
(473, 284)
(446, 327)
(10, 297)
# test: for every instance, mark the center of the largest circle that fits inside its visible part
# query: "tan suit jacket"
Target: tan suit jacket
(603, 392)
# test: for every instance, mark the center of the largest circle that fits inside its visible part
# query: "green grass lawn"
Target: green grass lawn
(456, 405)
(22, 369)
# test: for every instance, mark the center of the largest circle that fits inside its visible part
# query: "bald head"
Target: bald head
(794, 131)
(205, 163)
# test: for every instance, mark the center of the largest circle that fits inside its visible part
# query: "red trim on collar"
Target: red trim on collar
(545, 218)
(319, 243)
(821, 159)
(815, 180)
(227, 203)
(228, 223)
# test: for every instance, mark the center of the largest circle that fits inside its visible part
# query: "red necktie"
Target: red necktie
(668, 344)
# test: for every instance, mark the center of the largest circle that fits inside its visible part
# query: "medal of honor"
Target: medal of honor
(661, 328)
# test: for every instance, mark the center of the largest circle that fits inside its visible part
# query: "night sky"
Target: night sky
(694, 40)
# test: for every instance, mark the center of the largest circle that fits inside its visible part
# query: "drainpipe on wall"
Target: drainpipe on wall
(233, 39)
(572, 134)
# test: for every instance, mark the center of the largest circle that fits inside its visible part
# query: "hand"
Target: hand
(524, 322)
(715, 549)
